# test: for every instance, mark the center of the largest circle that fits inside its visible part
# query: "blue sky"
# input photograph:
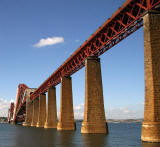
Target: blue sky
(25, 23)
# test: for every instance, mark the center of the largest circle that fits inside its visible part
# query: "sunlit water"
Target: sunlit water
(120, 135)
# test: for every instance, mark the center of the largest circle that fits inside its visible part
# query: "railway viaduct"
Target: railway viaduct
(31, 103)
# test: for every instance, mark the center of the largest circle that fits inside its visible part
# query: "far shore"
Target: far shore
(4, 120)
(120, 120)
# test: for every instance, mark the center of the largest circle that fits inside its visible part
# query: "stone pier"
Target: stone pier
(28, 119)
(42, 110)
(51, 118)
(35, 112)
(151, 124)
(66, 117)
(94, 114)
(29, 106)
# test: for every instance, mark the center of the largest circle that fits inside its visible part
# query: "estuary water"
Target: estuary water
(120, 135)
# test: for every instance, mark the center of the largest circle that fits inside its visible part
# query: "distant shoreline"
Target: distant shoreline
(124, 120)
(119, 120)
(4, 119)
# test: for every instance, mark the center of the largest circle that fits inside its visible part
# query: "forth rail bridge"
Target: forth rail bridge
(31, 109)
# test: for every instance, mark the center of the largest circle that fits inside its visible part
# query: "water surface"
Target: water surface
(120, 135)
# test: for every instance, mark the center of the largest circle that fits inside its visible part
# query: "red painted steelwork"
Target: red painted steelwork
(10, 111)
(123, 22)
(20, 100)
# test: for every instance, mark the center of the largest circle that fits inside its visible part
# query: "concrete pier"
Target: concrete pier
(151, 124)
(51, 118)
(94, 114)
(66, 117)
(42, 110)
(35, 112)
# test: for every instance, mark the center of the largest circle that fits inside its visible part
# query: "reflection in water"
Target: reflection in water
(146, 144)
(65, 138)
(94, 140)
(34, 137)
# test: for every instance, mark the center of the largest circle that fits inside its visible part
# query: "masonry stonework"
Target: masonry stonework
(51, 118)
(42, 110)
(29, 106)
(151, 124)
(35, 112)
(66, 117)
(28, 119)
(94, 114)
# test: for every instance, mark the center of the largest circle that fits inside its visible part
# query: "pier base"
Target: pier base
(151, 131)
(94, 114)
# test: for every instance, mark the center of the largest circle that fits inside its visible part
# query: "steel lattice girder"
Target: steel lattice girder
(20, 100)
(123, 22)
(11, 110)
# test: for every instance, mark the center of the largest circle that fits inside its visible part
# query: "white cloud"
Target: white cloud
(79, 111)
(4, 106)
(79, 107)
(77, 40)
(12, 101)
(49, 41)
(123, 112)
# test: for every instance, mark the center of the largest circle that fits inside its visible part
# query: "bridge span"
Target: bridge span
(31, 109)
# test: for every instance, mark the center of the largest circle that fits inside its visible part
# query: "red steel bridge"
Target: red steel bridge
(16, 112)
(126, 20)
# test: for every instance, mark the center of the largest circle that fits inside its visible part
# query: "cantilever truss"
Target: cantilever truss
(123, 22)
(20, 102)
(10, 111)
